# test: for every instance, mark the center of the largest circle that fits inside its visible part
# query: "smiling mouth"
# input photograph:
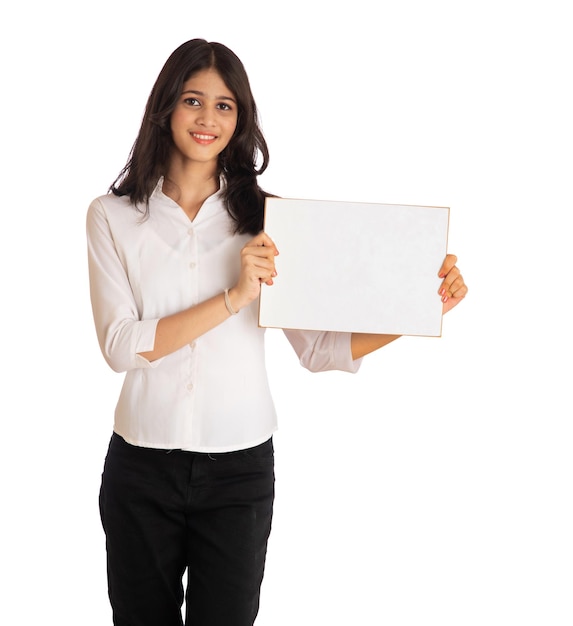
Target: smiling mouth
(200, 138)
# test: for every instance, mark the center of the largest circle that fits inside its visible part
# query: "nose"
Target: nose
(207, 116)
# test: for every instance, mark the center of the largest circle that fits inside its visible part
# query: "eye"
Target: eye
(192, 102)
(224, 106)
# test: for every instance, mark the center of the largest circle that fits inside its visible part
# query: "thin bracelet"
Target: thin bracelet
(228, 304)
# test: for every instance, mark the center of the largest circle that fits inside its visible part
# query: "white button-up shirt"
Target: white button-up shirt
(213, 394)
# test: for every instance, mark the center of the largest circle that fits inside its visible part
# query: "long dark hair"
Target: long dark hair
(149, 157)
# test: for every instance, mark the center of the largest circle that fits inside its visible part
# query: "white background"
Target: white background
(433, 487)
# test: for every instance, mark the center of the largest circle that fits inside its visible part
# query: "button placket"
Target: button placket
(192, 263)
(192, 289)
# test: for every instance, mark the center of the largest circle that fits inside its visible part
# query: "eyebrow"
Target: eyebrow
(201, 93)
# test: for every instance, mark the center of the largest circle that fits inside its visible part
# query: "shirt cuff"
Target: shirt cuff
(342, 353)
(321, 351)
(145, 342)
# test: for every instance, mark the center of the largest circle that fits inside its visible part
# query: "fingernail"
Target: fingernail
(445, 299)
(443, 291)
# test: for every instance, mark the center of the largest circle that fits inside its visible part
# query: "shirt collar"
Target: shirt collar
(158, 190)
(211, 204)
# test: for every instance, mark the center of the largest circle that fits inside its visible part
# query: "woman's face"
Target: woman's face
(204, 118)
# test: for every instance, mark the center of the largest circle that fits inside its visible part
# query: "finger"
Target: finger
(259, 266)
(457, 289)
(451, 276)
(263, 240)
(447, 265)
(259, 256)
(455, 286)
(263, 252)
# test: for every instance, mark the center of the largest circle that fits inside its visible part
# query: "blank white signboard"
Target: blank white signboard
(355, 267)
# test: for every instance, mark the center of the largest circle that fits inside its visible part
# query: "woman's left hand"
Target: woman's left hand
(453, 288)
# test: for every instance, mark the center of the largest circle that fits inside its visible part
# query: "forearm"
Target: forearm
(180, 329)
(362, 344)
(452, 291)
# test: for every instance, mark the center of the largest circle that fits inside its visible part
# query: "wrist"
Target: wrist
(233, 301)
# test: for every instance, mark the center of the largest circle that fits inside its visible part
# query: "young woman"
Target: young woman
(177, 257)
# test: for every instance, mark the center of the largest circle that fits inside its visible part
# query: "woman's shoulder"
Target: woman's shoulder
(111, 202)
(122, 203)
(114, 207)
(113, 212)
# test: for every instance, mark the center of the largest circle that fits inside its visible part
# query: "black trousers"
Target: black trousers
(167, 511)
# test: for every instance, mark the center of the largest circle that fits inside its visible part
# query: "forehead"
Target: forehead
(208, 82)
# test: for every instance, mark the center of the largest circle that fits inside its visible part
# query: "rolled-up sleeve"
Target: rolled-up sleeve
(320, 351)
(120, 331)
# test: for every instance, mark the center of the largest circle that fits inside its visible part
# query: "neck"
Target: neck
(190, 184)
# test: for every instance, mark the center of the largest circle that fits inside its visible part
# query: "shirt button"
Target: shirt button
(190, 387)
(192, 345)
(192, 265)
(190, 231)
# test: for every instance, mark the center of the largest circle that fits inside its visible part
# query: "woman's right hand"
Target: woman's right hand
(257, 267)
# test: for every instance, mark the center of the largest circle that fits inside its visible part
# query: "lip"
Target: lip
(204, 139)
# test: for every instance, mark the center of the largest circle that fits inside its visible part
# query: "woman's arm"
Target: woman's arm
(362, 344)
(452, 291)
(128, 342)
(177, 330)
